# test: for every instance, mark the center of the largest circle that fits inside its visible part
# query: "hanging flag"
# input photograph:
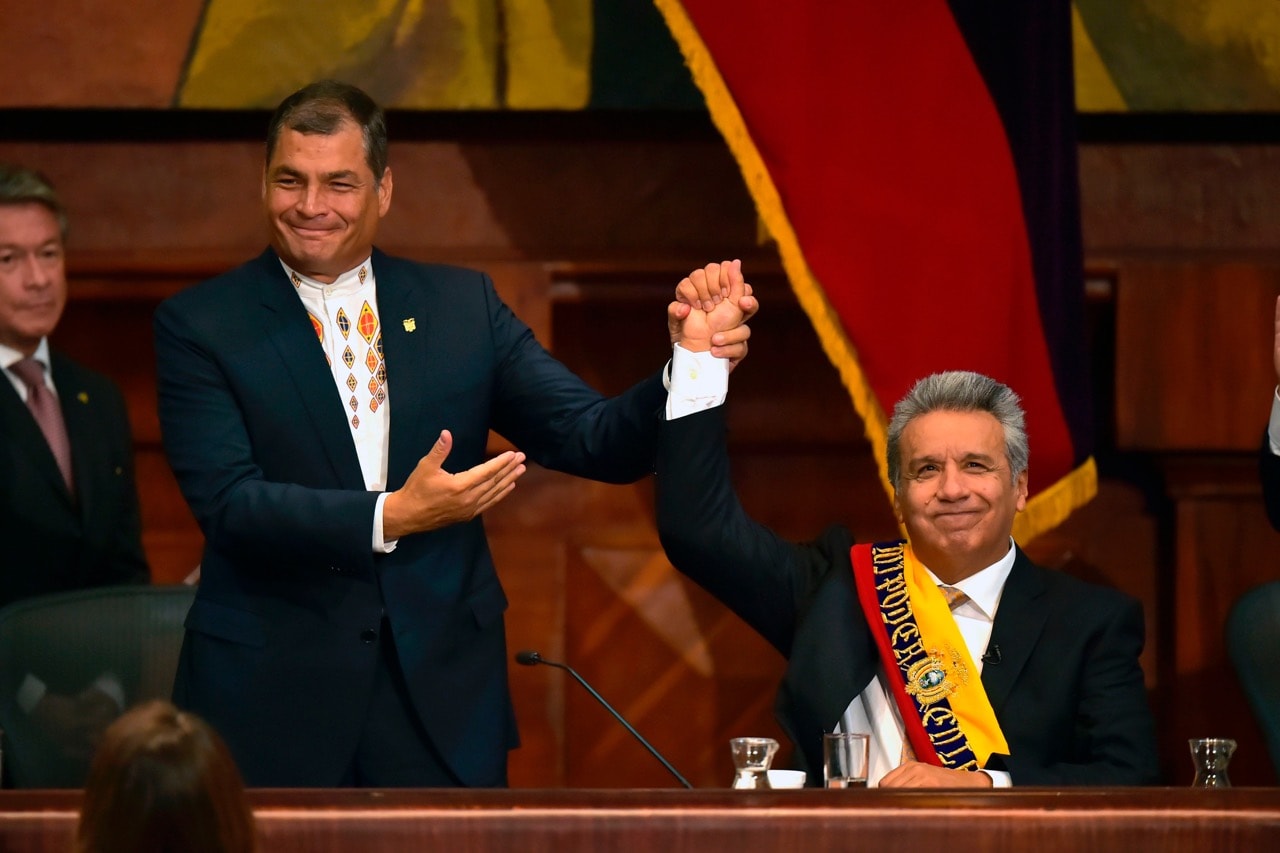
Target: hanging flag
(916, 164)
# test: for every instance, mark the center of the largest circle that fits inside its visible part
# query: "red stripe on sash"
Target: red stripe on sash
(865, 584)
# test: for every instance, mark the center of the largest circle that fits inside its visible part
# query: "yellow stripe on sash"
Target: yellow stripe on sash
(942, 639)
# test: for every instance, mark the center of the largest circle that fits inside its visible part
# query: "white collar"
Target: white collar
(347, 283)
(10, 356)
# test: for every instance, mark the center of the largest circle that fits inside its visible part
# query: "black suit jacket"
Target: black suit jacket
(280, 649)
(1068, 690)
(54, 543)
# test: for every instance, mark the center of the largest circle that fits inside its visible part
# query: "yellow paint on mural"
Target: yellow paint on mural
(1250, 27)
(419, 54)
(1096, 91)
(548, 53)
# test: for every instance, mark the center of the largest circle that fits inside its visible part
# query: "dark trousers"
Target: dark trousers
(395, 750)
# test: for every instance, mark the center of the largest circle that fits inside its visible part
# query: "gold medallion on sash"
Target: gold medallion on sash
(940, 674)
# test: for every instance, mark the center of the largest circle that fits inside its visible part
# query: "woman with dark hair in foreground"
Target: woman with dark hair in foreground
(162, 781)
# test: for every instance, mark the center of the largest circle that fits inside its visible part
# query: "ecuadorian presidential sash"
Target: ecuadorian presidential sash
(948, 719)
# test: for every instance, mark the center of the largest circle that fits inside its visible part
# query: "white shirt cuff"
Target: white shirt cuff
(30, 693)
(699, 381)
(1273, 428)
(111, 686)
(380, 544)
(1001, 778)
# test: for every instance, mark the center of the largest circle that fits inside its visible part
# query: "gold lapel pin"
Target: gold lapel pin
(410, 324)
(83, 397)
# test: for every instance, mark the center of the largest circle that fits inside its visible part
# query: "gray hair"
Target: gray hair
(20, 185)
(961, 391)
(322, 108)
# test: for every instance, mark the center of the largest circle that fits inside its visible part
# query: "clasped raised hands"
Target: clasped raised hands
(710, 311)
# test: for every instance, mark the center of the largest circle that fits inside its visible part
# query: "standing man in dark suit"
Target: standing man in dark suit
(1012, 675)
(348, 628)
(68, 504)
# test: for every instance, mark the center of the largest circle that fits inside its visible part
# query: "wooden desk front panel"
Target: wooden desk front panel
(708, 821)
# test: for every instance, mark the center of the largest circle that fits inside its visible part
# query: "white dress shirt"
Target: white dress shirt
(358, 368)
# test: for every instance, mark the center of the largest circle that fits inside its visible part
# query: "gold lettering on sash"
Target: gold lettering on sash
(887, 558)
(896, 617)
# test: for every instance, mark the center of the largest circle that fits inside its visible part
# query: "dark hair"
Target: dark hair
(322, 108)
(961, 391)
(20, 185)
(162, 780)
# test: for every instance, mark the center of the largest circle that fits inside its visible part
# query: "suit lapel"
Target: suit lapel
(283, 320)
(88, 451)
(1018, 624)
(406, 334)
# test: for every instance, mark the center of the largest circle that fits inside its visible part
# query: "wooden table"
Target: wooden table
(1042, 821)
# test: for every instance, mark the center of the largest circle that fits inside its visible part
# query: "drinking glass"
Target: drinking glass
(844, 759)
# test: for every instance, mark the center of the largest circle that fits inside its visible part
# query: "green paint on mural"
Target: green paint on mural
(1189, 55)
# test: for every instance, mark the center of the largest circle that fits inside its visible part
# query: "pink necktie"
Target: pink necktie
(44, 408)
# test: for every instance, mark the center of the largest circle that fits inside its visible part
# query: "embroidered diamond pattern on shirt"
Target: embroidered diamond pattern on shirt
(342, 312)
(368, 323)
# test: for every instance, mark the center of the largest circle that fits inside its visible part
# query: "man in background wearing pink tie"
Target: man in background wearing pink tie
(68, 503)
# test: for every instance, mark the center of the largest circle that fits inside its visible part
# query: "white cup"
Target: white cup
(786, 778)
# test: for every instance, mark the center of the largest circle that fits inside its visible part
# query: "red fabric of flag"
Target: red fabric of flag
(882, 164)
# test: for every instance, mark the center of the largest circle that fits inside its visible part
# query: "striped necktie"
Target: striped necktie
(954, 596)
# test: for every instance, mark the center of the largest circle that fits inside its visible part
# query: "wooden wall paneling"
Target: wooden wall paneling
(686, 673)
(526, 537)
(107, 326)
(1193, 354)
(1224, 547)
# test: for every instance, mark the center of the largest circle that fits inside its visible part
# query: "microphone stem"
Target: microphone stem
(674, 772)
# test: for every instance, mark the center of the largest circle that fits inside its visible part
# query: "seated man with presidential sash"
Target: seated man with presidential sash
(967, 664)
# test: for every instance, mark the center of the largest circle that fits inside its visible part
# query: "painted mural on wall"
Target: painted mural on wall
(1177, 55)
(1131, 55)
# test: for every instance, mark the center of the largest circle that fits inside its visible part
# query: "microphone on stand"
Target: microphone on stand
(528, 657)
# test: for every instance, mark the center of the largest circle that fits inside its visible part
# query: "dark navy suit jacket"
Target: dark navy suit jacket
(1068, 690)
(279, 655)
(53, 543)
